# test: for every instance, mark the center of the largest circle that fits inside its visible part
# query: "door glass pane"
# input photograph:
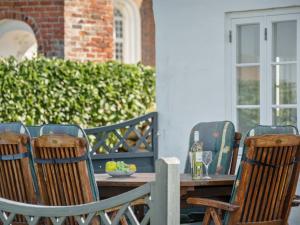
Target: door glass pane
(248, 43)
(247, 118)
(284, 41)
(285, 117)
(284, 84)
(248, 85)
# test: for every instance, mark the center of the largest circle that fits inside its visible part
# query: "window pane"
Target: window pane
(248, 85)
(284, 41)
(284, 84)
(118, 32)
(119, 28)
(285, 117)
(248, 43)
(247, 118)
(118, 17)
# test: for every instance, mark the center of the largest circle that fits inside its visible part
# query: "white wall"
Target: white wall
(190, 49)
(190, 43)
(17, 39)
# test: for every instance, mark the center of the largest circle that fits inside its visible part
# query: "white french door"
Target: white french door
(265, 69)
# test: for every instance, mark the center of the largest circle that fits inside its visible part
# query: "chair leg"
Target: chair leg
(215, 216)
(206, 219)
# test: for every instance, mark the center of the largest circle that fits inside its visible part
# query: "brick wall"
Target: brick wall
(89, 30)
(148, 33)
(78, 29)
(45, 18)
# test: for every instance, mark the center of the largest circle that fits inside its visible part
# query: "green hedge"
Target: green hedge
(61, 91)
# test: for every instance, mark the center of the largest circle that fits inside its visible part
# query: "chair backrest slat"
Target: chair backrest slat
(269, 174)
(269, 183)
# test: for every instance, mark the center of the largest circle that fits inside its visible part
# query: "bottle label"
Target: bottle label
(198, 157)
(196, 165)
(196, 136)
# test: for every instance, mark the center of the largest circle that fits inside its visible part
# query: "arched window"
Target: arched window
(127, 31)
(17, 39)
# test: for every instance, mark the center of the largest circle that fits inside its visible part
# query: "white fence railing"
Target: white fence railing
(161, 201)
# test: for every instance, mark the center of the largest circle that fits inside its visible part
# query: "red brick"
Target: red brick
(83, 32)
(78, 29)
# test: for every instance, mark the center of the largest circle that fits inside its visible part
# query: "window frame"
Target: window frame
(131, 30)
(265, 18)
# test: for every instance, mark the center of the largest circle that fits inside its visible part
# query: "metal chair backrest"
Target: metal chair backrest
(267, 183)
(34, 130)
(69, 129)
(267, 129)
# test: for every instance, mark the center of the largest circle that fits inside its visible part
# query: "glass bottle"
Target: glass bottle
(196, 161)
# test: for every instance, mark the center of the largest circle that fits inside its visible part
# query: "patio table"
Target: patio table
(218, 186)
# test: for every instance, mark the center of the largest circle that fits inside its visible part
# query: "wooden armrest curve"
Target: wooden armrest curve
(213, 203)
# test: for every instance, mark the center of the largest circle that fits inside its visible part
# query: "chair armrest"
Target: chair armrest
(213, 203)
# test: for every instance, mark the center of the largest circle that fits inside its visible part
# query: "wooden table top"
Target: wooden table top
(139, 179)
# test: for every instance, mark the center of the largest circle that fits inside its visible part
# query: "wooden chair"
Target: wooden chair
(17, 175)
(65, 170)
(77, 132)
(265, 188)
(62, 171)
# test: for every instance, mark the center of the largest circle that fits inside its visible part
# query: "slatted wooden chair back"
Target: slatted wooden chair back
(62, 170)
(15, 172)
(74, 131)
(269, 175)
